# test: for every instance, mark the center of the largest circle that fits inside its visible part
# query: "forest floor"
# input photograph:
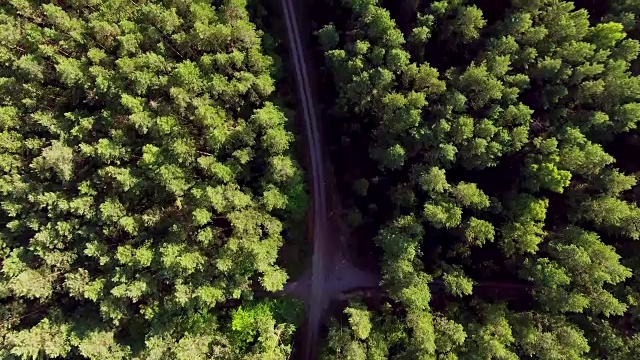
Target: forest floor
(331, 272)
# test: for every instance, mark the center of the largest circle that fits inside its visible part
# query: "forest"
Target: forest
(142, 155)
(486, 158)
(490, 150)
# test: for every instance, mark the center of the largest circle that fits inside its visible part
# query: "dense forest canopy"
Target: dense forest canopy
(492, 151)
(486, 152)
(144, 180)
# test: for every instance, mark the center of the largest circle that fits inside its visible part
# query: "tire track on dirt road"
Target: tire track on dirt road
(318, 299)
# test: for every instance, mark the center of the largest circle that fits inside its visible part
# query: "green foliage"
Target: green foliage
(400, 241)
(145, 181)
(543, 171)
(491, 337)
(449, 336)
(44, 339)
(478, 85)
(350, 342)
(524, 232)
(478, 232)
(391, 158)
(469, 195)
(260, 328)
(359, 320)
(613, 215)
(457, 283)
(434, 181)
(579, 268)
(579, 156)
(445, 215)
(550, 338)
(468, 22)
(328, 37)
(501, 149)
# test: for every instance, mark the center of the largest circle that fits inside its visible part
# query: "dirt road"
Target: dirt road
(330, 273)
(316, 299)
